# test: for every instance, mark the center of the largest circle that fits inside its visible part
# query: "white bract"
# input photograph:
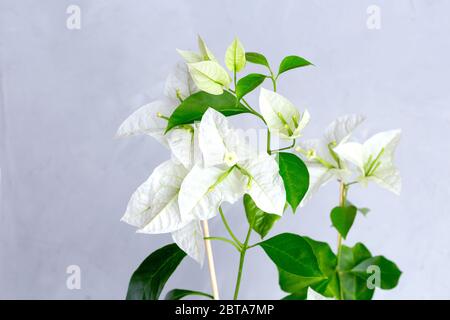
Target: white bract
(152, 118)
(209, 76)
(375, 159)
(235, 56)
(179, 84)
(153, 208)
(320, 156)
(281, 116)
(148, 119)
(231, 168)
(204, 53)
(205, 70)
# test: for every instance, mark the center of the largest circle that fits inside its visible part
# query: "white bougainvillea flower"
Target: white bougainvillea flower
(375, 159)
(148, 119)
(190, 240)
(321, 159)
(281, 116)
(179, 84)
(314, 295)
(230, 169)
(153, 208)
(204, 53)
(209, 76)
(152, 118)
(205, 188)
(184, 147)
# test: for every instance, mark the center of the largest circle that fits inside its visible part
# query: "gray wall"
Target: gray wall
(65, 181)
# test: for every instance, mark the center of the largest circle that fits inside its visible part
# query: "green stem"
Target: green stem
(252, 111)
(342, 196)
(241, 263)
(274, 80)
(225, 240)
(268, 142)
(227, 226)
(285, 148)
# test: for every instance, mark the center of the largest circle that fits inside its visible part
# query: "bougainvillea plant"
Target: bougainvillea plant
(213, 163)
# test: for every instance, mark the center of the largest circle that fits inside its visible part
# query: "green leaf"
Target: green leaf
(302, 295)
(248, 83)
(354, 287)
(178, 294)
(350, 257)
(292, 62)
(325, 284)
(295, 177)
(257, 58)
(325, 256)
(389, 272)
(149, 279)
(260, 221)
(293, 254)
(293, 283)
(235, 56)
(364, 210)
(327, 262)
(342, 219)
(194, 106)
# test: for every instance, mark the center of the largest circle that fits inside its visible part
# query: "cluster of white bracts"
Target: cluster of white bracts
(335, 156)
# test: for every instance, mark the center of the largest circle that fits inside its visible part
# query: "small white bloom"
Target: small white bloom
(281, 116)
(375, 159)
(230, 159)
(320, 156)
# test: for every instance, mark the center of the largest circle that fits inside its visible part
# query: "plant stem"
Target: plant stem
(252, 111)
(342, 197)
(241, 263)
(225, 240)
(227, 226)
(209, 254)
(285, 148)
(274, 80)
(268, 142)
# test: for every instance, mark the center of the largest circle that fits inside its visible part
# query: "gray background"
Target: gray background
(65, 181)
